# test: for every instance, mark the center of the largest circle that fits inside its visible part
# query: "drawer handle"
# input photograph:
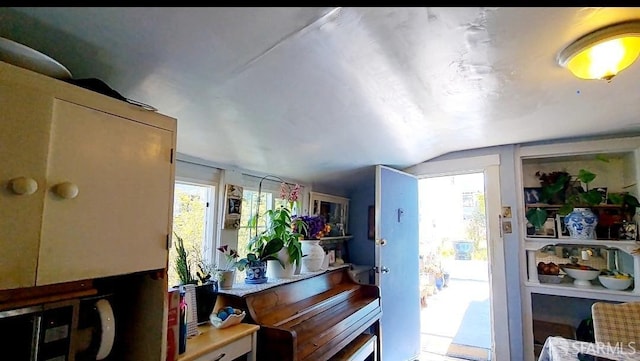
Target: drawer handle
(23, 185)
(220, 357)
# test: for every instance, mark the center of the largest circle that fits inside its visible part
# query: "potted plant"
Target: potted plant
(278, 242)
(580, 220)
(203, 287)
(573, 197)
(182, 263)
(261, 250)
(226, 275)
(628, 203)
(312, 229)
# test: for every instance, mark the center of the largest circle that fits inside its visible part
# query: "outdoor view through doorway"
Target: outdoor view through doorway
(454, 273)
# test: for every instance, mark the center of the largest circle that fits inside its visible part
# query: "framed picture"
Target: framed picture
(371, 233)
(233, 209)
(532, 195)
(332, 256)
(563, 232)
(548, 230)
(628, 232)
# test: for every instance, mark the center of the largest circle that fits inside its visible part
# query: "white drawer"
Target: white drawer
(229, 352)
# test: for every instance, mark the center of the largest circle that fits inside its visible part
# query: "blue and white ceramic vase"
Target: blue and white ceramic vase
(256, 273)
(581, 223)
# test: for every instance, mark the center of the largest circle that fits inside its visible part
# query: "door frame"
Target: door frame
(489, 165)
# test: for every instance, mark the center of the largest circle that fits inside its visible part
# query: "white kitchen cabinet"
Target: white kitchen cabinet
(567, 303)
(334, 209)
(104, 172)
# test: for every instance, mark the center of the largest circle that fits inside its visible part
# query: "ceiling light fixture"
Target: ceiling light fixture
(603, 53)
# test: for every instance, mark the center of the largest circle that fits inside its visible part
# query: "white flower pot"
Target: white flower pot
(226, 279)
(313, 255)
(275, 270)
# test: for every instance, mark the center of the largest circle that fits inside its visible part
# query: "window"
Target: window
(249, 209)
(193, 222)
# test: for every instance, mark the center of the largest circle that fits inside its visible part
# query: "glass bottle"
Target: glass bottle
(182, 346)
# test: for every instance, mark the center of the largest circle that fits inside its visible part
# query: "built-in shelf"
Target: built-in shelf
(558, 206)
(618, 173)
(596, 291)
(336, 238)
(532, 243)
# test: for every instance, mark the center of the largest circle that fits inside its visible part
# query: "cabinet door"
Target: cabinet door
(23, 150)
(333, 208)
(119, 221)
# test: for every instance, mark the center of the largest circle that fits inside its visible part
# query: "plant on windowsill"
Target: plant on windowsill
(182, 263)
(226, 275)
(277, 236)
(280, 235)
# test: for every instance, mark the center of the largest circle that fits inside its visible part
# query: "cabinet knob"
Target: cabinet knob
(23, 185)
(66, 190)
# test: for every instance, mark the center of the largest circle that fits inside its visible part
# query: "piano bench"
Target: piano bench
(359, 349)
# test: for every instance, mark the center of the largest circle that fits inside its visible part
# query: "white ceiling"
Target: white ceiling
(316, 94)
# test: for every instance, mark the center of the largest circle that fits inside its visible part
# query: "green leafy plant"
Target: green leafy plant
(628, 202)
(278, 234)
(574, 197)
(182, 264)
(206, 271)
(556, 186)
(261, 251)
(281, 231)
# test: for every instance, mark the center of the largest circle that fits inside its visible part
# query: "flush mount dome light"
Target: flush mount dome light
(603, 53)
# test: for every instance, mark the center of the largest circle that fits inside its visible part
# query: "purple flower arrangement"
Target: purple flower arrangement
(316, 227)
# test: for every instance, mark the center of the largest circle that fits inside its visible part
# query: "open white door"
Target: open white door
(396, 255)
(490, 166)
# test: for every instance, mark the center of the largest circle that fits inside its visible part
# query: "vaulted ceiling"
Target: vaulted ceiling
(317, 94)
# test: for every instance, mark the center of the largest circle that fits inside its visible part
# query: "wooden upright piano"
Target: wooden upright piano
(328, 316)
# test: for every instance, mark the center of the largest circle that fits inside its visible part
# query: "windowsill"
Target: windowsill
(243, 289)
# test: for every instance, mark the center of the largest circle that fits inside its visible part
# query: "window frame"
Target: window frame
(209, 243)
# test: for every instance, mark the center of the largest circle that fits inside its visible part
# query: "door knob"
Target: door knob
(23, 185)
(66, 190)
(381, 242)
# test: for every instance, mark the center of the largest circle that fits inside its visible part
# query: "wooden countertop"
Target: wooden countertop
(210, 338)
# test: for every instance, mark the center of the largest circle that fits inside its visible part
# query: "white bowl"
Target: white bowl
(555, 279)
(581, 277)
(613, 283)
(231, 320)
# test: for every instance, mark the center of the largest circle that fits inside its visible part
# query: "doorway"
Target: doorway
(454, 272)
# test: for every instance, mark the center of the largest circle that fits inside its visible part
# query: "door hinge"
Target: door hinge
(168, 242)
